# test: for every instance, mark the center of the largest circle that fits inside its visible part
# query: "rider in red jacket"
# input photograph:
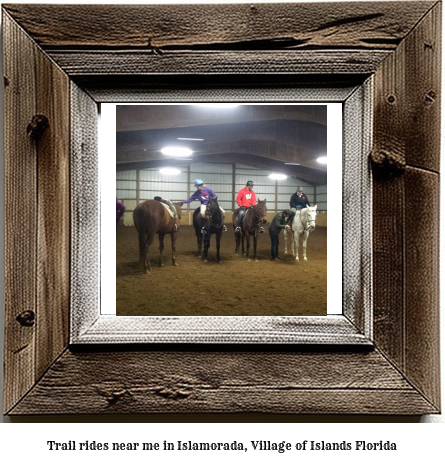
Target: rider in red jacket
(245, 199)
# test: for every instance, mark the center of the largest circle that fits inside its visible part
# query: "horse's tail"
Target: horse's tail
(139, 221)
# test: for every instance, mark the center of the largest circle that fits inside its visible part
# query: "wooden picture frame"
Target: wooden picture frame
(380, 358)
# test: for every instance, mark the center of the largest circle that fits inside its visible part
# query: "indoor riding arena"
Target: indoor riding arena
(225, 146)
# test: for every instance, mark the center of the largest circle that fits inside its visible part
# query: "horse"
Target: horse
(150, 218)
(254, 217)
(302, 224)
(212, 224)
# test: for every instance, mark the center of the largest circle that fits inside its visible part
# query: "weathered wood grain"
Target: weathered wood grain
(20, 213)
(423, 92)
(406, 237)
(422, 324)
(37, 191)
(156, 27)
(53, 227)
(78, 62)
(223, 382)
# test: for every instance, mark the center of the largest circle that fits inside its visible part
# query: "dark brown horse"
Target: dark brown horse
(212, 223)
(254, 217)
(150, 218)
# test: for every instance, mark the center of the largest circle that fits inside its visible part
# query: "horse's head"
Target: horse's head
(178, 206)
(213, 213)
(311, 214)
(262, 210)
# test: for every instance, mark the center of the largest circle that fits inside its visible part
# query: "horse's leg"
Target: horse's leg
(206, 245)
(218, 244)
(255, 240)
(237, 242)
(285, 241)
(199, 239)
(247, 247)
(161, 248)
(145, 255)
(296, 244)
(305, 237)
(173, 237)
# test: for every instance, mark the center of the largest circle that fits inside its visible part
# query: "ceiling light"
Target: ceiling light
(277, 176)
(292, 164)
(218, 105)
(176, 151)
(169, 171)
(187, 138)
(323, 160)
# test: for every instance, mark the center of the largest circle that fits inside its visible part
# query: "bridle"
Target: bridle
(309, 224)
(208, 216)
(258, 218)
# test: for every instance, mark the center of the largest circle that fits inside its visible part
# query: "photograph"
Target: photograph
(224, 206)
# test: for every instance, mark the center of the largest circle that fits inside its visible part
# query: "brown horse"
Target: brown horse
(150, 218)
(254, 217)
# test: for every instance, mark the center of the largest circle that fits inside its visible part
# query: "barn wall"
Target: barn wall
(225, 179)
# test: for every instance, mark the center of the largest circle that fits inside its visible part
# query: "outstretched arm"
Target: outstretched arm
(191, 199)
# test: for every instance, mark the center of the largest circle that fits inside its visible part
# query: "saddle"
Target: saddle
(243, 215)
(168, 204)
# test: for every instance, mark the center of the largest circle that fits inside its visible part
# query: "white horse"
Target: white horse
(302, 224)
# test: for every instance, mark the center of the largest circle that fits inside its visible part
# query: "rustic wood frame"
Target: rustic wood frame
(66, 61)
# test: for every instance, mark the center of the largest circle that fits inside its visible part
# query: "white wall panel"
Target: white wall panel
(126, 185)
(126, 175)
(219, 178)
(156, 176)
(130, 204)
(125, 194)
(210, 179)
(173, 196)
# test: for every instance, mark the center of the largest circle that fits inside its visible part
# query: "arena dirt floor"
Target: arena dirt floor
(234, 287)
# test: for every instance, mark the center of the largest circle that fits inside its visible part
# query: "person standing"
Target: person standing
(120, 209)
(204, 194)
(279, 222)
(245, 199)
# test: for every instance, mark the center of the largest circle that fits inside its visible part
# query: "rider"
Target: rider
(297, 202)
(245, 199)
(204, 194)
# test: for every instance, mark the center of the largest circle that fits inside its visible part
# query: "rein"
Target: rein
(222, 218)
(259, 218)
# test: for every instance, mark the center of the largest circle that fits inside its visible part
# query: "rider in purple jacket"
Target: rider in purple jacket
(203, 194)
(120, 208)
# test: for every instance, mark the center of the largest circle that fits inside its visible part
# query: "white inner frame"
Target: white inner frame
(90, 326)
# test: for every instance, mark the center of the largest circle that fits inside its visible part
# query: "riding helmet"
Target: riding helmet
(300, 189)
(249, 183)
(199, 182)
